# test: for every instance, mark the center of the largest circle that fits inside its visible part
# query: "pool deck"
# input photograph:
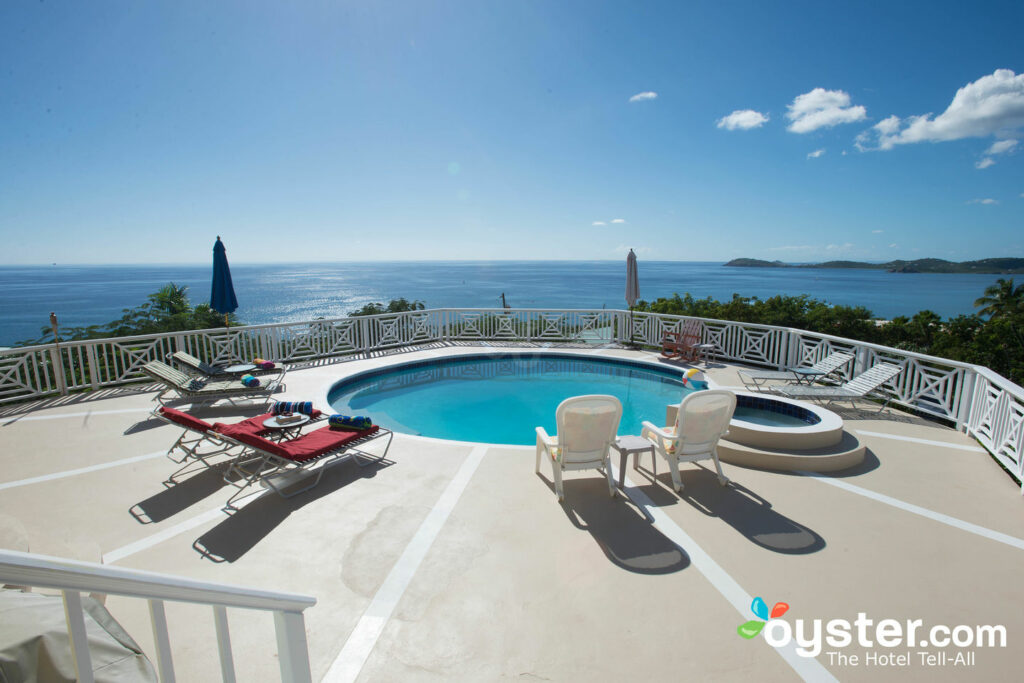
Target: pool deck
(454, 561)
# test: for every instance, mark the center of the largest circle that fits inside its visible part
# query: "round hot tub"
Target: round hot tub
(777, 433)
(782, 423)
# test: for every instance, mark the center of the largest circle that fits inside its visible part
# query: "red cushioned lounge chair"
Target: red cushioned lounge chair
(197, 433)
(276, 463)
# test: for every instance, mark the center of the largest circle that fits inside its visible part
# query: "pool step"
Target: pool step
(848, 452)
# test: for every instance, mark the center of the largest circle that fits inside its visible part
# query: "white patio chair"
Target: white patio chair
(701, 420)
(587, 426)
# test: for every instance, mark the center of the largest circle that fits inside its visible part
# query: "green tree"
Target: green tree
(1001, 299)
(166, 310)
(394, 306)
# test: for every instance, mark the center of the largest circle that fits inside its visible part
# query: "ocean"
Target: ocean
(267, 293)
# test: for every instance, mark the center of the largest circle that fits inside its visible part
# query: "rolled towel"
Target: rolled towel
(263, 364)
(305, 407)
(350, 422)
(250, 381)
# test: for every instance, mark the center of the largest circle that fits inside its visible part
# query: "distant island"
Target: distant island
(1001, 266)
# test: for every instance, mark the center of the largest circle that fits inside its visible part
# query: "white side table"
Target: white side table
(633, 445)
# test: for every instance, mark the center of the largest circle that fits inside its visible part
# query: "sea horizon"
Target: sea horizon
(87, 294)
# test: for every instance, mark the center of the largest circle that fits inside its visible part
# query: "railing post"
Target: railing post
(79, 638)
(90, 357)
(57, 364)
(783, 354)
(860, 362)
(963, 417)
(164, 663)
(292, 650)
(364, 334)
(227, 663)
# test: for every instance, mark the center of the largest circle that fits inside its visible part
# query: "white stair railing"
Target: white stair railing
(73, 578)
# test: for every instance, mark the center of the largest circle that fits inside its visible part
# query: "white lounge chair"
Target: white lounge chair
(862, 386)
(587, 426)
(755, 379)
(173, 380)
(701, 420)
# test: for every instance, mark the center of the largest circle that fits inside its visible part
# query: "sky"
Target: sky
(136, 132)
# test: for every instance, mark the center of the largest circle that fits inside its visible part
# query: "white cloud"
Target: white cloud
(876, 232)
(618, 220)
(816, 153)
(1001, 147)
(987, 200)
(800, 247)
(822, 108)
(743, 119)
(840, 247)
(894, 246)
(991, 105)
(598, 223)
(641, 96)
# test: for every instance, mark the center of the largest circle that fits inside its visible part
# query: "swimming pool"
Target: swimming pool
(502, 398)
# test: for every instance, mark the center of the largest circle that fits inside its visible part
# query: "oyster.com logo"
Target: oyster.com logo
(760, 610)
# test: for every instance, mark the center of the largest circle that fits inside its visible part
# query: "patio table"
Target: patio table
(633, 445)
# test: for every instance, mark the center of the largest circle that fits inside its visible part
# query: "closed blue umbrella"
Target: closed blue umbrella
(222, 292)
(632, 288)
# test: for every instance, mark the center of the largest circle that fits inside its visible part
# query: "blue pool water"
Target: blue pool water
(502, 399)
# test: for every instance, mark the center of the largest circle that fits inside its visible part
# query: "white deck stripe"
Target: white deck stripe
(927, 442)
(349, 662)
(85, 413)
(80, 470)
(808, 668)
(985, 532)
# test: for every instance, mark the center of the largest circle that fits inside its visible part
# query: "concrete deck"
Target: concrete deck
(454, 561)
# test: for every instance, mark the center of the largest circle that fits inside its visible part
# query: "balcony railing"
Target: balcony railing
(977, 400)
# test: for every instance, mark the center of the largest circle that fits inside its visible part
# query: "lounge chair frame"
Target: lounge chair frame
(757, 380)
(203, 370)
(864, 386)
(258, 465)
(173, 380)
(190, 441)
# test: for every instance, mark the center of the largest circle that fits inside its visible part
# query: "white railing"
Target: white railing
(73, 578)
(986, 405)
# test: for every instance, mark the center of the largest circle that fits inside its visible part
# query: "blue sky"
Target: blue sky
(316, 131)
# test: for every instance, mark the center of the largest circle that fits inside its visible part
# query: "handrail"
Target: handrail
(29, 569)
(73, 578)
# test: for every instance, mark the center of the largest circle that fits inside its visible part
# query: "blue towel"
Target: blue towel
(305, 407)
(250, 381)
(196, 385)
(350, 422)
